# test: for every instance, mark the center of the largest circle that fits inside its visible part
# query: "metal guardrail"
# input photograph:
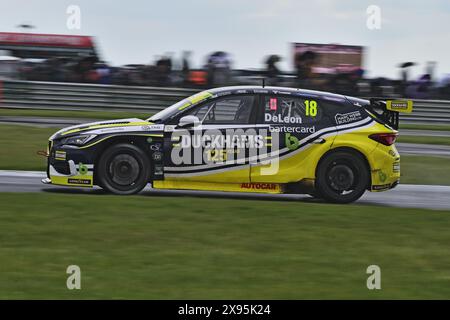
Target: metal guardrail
(94, 97)
(88, 97)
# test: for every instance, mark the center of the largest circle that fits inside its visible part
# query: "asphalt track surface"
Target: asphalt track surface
(407, 196)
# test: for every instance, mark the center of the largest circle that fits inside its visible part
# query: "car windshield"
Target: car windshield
(179, 106)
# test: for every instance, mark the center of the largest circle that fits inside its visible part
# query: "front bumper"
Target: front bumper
(69, 167)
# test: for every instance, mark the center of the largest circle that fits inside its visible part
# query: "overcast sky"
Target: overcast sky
(135, 31)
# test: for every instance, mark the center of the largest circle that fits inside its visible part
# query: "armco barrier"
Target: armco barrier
(94, 97)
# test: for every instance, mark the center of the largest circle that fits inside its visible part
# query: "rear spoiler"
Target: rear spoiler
(388, 110)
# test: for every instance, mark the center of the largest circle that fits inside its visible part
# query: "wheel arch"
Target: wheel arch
(136, 140)
(348, 150)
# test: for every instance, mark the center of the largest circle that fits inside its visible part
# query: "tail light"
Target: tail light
(384, 138)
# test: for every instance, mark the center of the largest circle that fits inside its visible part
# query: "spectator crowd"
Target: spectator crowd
(166, 71)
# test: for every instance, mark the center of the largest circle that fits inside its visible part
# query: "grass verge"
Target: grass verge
(145, 247)
(425, 170)
(424, 139)
(438, 127)
(19, 144)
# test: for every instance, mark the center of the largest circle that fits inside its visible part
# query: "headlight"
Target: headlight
(77, 140)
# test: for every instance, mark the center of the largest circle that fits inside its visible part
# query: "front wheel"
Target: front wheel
(342, 177)
(123, 169)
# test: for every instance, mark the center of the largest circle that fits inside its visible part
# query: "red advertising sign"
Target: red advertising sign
(51, 40)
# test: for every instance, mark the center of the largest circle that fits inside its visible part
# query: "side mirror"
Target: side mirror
(188, 121)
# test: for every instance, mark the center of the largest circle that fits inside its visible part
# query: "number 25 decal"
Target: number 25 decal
(311, 108)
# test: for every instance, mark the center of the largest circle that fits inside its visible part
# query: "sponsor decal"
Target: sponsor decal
(170, 128)
(214, 155)
(157, 156)
(399, 105)
(184, 106)
(79, 181)
(396, 167)
(282, 119)
(60, 155)
(82, 169)
(291, 141)
(155, 147)
(259, 186)
(197, 98)
(233, 146)
(284, 129)
(273, 104)
(158, 170)
(381, 187)
(153, 127)
(348, 117)
(382, 176)
(216, 140)
(282, 92)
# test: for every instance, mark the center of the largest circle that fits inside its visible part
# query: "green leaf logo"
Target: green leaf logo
(291, 141)
(82, 169)
(382, 176)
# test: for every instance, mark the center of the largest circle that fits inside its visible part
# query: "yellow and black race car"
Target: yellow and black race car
(244, 139)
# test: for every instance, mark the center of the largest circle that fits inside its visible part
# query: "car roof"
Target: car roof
(276, 90)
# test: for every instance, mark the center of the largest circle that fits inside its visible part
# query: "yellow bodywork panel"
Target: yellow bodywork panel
(295, 166)
(229, 175)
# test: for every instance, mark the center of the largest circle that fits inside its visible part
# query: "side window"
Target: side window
(291, 110)
(231, 110)
(339, 112)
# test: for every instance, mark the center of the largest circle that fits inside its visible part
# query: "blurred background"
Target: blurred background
(325, 45)
(328, 67)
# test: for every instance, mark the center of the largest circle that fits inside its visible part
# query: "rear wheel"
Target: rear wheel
(123, 169)
(342, 177)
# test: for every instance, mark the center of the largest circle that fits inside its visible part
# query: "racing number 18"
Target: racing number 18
(311, 108)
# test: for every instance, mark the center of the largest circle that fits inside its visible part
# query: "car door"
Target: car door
(299, 129)
(216, 147)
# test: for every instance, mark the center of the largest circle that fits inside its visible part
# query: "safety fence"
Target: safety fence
(94, 97)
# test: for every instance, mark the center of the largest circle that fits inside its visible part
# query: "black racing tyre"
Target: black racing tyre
(315, 194)
(123, 169)
(342, 177)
